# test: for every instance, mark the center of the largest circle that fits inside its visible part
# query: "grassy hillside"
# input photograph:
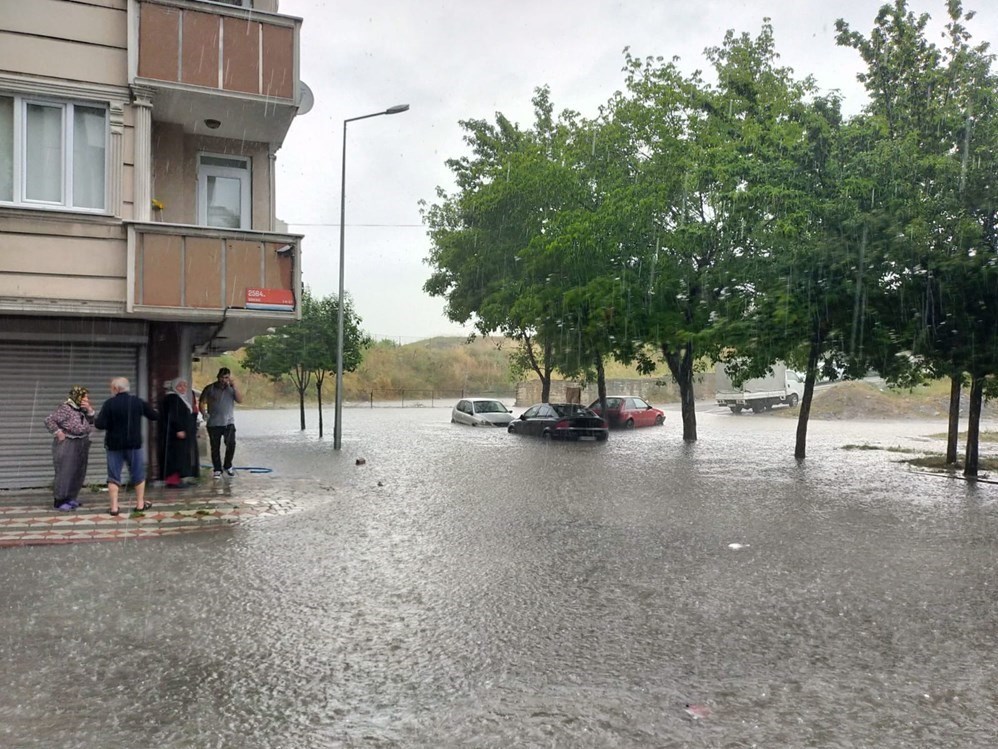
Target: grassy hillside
(450, 365)
(447, 365)
(865, 400)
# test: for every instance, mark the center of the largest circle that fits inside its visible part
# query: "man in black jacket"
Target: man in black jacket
(121, 419)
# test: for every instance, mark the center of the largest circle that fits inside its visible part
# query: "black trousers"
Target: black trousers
(215, 437)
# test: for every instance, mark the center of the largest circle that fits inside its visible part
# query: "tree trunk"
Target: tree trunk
(800, 449)
(601, 385)
(545, 389)
(546, 374)
(953, 433)
(974, 425)
(318, 394)
(681, 366)
(543, 374)
(301, 379)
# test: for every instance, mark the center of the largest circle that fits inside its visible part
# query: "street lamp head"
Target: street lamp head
(397, 109)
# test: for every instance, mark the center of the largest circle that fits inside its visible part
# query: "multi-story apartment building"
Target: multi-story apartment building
(137, 217)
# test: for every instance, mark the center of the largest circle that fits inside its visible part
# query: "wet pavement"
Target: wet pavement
(469, 588)
(28, 519)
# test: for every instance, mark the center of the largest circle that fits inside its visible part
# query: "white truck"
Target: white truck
(781, 386)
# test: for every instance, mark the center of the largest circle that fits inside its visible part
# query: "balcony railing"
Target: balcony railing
(210, 61)
(197, 273)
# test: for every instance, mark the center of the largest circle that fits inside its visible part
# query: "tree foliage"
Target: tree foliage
(305, 351)
(742, 214)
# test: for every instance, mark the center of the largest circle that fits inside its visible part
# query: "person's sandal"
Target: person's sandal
(145, 508)
(114, 513)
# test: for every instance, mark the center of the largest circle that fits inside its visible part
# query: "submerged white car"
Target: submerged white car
(479, 412)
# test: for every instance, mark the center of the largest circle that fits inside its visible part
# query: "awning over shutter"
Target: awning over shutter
(37, 377)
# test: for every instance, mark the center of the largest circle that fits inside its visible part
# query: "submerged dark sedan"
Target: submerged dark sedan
(566, 421)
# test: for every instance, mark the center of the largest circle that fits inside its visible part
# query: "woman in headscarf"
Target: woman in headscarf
(70, 424)
(177, 433)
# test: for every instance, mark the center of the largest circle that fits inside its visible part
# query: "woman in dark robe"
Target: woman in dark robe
(177, 434)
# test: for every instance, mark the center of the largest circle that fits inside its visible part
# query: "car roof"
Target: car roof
(482, 399)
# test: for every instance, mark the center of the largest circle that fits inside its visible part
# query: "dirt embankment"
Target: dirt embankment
(865, 400)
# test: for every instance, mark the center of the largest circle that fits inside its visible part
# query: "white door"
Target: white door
(224, 198)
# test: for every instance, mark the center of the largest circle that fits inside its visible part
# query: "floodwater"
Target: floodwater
(468, 588)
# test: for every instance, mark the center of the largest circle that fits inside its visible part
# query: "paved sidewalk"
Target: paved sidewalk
(28, 518)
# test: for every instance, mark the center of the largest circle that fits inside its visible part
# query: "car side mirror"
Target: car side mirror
(523, 417)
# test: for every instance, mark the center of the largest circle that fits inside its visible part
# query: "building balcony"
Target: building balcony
(243, 281)
(217, 69)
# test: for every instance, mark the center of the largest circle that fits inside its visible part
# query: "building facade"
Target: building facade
(138, 141)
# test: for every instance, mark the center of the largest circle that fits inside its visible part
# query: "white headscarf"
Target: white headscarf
(171, 387)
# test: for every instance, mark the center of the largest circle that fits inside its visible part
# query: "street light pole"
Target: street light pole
(338, 412)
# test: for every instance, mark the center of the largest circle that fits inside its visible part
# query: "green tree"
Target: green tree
(935, 109)
(306, 349)
(323, 323)
(709, 163)
(489, 238)
(283, 355)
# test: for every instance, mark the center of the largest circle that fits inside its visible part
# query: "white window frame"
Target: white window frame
(244, 174)
(20, 154)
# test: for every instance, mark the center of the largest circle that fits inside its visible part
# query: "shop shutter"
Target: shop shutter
(34, 379)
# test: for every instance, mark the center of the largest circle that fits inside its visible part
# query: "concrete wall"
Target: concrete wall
(175, 173)
(68, 50)
(73, 41)
(49, 257)
(655, 392)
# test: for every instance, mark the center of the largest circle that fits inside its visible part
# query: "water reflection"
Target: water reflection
(466, 587)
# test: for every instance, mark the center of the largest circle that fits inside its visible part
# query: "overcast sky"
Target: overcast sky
(460, 59)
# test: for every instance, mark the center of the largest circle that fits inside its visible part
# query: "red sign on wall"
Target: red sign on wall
(280, 300)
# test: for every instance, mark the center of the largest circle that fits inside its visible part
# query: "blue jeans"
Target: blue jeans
(136, 460)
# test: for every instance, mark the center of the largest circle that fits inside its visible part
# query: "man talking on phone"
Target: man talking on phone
(219, 400)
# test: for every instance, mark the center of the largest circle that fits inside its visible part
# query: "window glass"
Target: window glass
(43, 153)
(53, 153)
(224, 201)
(89, 157)
(531, 412)
(6, 148)
(224, 161)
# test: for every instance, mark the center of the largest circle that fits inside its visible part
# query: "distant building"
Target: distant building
(137, 231)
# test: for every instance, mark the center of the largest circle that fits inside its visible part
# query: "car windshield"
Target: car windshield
(489, 407)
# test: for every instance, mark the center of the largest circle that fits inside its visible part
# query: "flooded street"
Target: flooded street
(469, 588)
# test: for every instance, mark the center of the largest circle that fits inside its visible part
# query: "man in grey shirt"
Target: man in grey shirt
(219, 401)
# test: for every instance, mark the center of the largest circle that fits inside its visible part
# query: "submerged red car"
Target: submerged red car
(629, 411)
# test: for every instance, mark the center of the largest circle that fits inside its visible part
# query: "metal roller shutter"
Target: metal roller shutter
(34, 379)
